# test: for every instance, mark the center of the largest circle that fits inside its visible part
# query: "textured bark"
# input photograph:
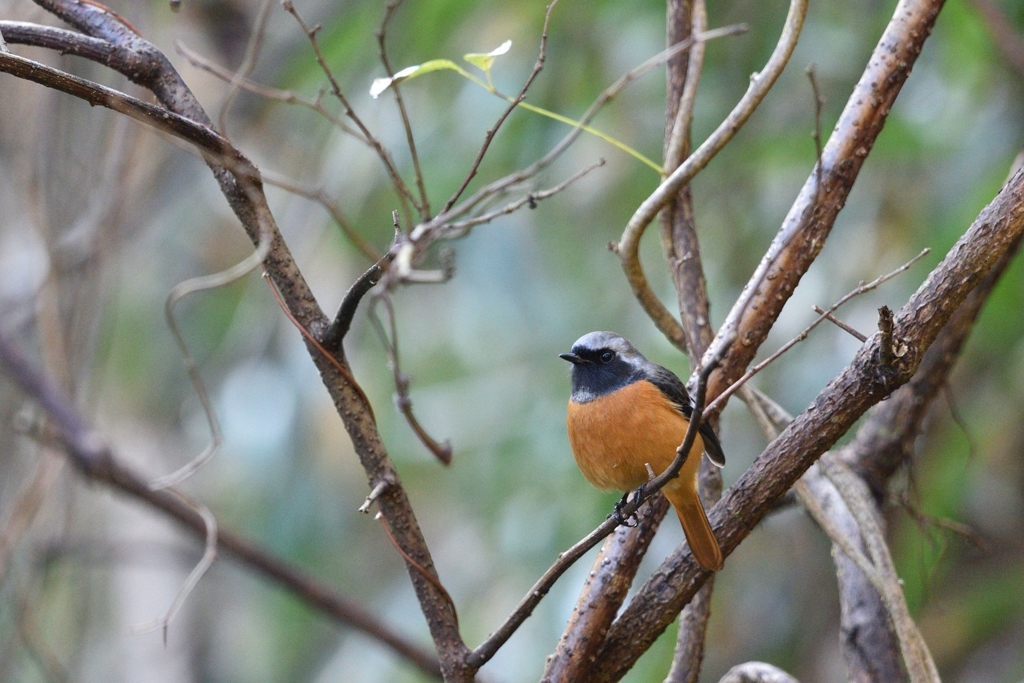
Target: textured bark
(839, 405)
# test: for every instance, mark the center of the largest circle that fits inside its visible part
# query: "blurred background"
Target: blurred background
(100, 218)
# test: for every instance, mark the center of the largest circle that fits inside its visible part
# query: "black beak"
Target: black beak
(572, 358)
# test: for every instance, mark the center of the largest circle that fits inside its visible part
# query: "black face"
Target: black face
(597, 372)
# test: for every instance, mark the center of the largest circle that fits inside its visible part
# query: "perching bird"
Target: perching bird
(626, 412)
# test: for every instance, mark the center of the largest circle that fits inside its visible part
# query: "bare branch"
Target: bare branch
(402, 189)
(629, 244)
(861, 289)
(252, 52)
(806, 227)
(862, 384)
(285, 96)
(382, 43)
(541, 56)
(94, 460)
(335, 334)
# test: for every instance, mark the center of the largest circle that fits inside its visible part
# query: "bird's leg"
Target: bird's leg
(626, 509)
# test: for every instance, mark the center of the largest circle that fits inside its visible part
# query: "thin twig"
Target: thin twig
(389, 340)
(275, 94)
(840, 324)
(197, 573)
(382, 43)
(462, 228)
(860, 289)
(541, 56)
(252, 52)
(629, 245)
(404, 195)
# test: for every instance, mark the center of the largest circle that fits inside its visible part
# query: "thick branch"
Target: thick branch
(862, 384)
(142, 62)
(812, 216)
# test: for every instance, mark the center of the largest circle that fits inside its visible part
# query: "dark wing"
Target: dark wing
(673, 387)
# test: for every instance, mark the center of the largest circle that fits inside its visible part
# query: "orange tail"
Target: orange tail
(698, 531)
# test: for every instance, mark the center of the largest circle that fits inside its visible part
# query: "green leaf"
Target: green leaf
(379, 85)
(484, 61)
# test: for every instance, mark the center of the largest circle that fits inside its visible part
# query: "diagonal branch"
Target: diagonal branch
(629, 245)
(239, 181)
(805, 229)
(839, 405)
(96, 462)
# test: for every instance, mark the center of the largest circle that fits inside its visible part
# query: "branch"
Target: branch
(537, 68)
(629, 245)
(335, 334)
(396, 179)
(839, 405)
(240, 184)
(487, 649)
(824, 315)
(382, 44)
(95, 461)
(806, 227)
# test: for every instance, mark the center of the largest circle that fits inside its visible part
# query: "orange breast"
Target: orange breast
(614, 436)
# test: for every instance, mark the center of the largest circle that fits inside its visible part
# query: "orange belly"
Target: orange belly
(615, 436)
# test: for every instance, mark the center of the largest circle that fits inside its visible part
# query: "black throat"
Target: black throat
(592, 380)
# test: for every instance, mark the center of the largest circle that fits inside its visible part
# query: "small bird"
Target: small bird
(625, 413)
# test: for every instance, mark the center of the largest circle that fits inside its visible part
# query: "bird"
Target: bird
(626, 413)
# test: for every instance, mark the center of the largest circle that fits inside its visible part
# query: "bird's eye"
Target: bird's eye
(607, 356)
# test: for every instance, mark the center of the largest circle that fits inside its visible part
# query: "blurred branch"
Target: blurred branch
(389, 340)
(848, 396)
(681, 246)
(245, 69)
(541, 57)
(239, 180)
(803, 233)
(382, 44)
(96, 462)
(284, 96)
(404, 195)
(330, 206)
(629, 245)
(1009, 42)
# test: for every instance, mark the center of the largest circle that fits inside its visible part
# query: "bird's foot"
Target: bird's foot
(626, 509)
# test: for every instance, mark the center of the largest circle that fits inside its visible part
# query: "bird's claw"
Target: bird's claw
(627, 507)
